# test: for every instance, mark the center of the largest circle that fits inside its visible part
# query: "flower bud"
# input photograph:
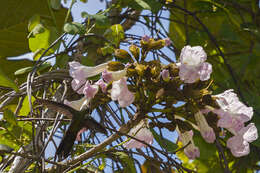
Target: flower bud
(115, 66)
(135, 51)
(122, 55)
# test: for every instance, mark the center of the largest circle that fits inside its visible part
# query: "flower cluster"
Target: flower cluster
(192, 67)
(232, 116)
(81, 85)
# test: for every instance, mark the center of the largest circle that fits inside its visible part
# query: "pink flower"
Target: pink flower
(239, 144)
(141, 132)
(206, 131)
(168, 41)
(233, 113)
(192, 64)
(229, 102)
(78, 85)
(191, 151)
(102, 85)
(121, 93)
(90, 90)
(165, 75)
(107, 76)
(81, 72)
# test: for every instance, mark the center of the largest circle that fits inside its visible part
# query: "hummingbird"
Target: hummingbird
(79, 119)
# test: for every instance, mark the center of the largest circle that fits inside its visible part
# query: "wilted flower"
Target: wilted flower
(141, 132)
(192, 64)
(191, 151)
(239, 144)
(206, 131)
(81, 72)
(121, 93)
(165, 75)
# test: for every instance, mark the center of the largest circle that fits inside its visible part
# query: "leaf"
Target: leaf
(101, 20)
(55, 4)
(25, 110)
(163, 142)
(25, 70)
(42, 41)
(10, 117)
(130, 166)
(7, 82)
(74, 28)
(14, 18)
(143, 4)
(115, 34)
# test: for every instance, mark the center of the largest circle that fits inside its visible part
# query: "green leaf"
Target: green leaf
(55, 4)
(7, 82)
(130, 166)
(74, 28)
(143, 4)
(42, 41)
(14, 18)
(102, 21)
(115, 34)
(25, 110)
(10, 117)
(163, 142)
(25, 70)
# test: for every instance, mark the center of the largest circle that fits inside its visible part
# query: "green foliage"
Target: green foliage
(163, 142)
(14, 20)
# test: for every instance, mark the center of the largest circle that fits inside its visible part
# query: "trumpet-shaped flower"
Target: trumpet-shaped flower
(121, 93)
(90, 90)
(81, 72)
(191, 151)
(239, 143)
(141, 132)
(192, 64)
(206, 131)
(77, 104)
(113, 75)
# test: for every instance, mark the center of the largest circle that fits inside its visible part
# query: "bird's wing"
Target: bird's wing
(59, 107)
